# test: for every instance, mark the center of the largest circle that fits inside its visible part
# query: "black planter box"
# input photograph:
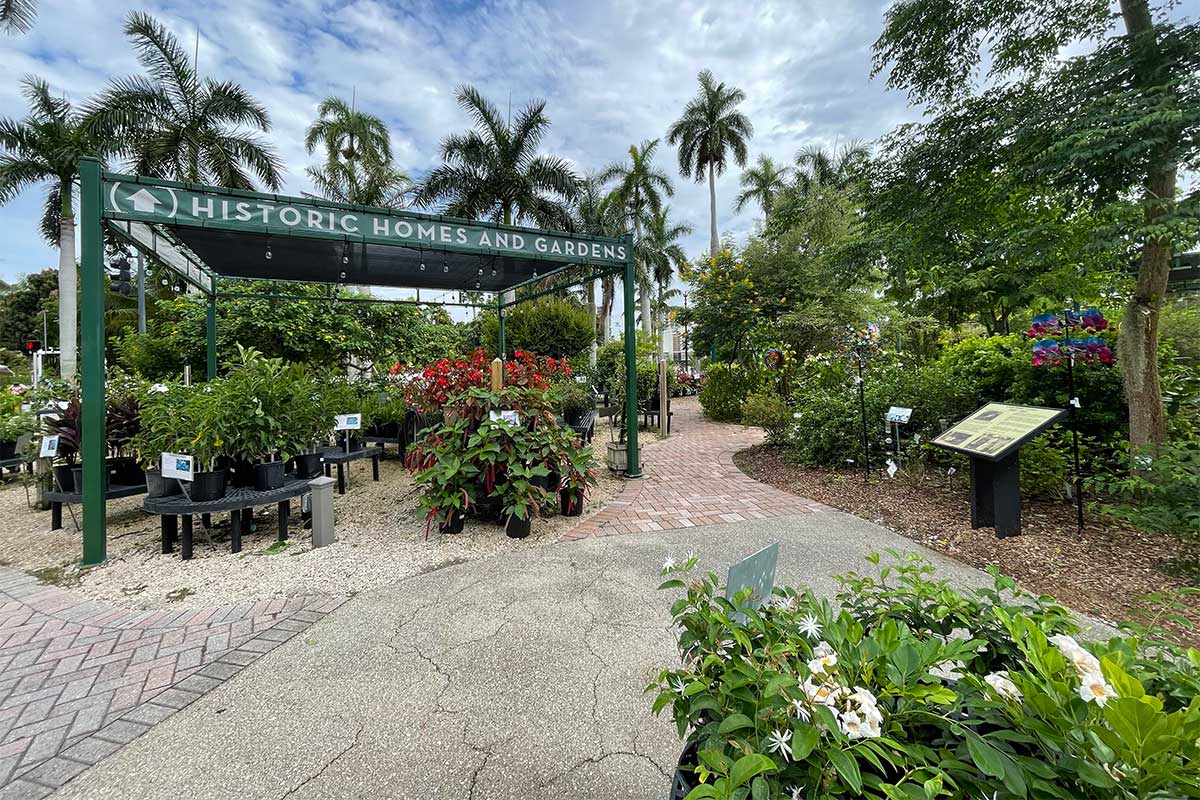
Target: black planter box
(517, 528)
(308, 465)
(268, 475)
(571, 503)
(158, 486)
(208, 485)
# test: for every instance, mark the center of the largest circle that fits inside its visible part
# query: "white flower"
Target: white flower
(825, 694)
(678, 685)
(796, 790)
(810, 627)
(801, 710)
(1004, 687)
(855, 728)
(948, 670)
(777, 742)
(1084, 662)
(158, 388)
(1095, 689)
(668, 565)
(784, 602)
(823, 663)
(1114, 773)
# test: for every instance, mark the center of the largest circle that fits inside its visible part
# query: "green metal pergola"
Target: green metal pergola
(204, 234)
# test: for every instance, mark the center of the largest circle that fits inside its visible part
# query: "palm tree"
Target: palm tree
(761, 183)
(181, 126)
(816, 166)
(17, 16)
(45, 148)
(597, 213)
(494, 171)
(662, 253)
(709, 128)
(348, 134)
(366, 184)
(639, 192)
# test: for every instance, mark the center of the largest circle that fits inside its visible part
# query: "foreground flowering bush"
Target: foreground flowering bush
(907, 689)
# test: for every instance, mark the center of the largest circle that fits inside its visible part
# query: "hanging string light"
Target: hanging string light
(268, 255)
(346, 254)
(445, 266)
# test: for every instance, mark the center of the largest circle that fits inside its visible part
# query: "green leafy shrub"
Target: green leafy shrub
(769, 412)
(1045, 467)
(726, 386)
(549, 326)
(1162, 494)
(907, 689)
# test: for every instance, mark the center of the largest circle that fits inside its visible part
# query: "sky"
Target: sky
(612, 72)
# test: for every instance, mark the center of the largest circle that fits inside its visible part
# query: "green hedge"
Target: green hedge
(549, 327)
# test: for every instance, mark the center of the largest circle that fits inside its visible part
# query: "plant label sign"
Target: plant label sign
(899, 414)
(177, 466)
(347, 422)
(508, 415)
(755, 572)
(49, 447)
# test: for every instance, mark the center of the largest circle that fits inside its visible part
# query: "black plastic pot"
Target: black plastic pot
(64, 477)
(241, 473)
(355, 442)
(517, 528)
(268, 475)
(454, 524)
(487, 507)
(682, 782)
(124, 471)
(158, 486)
(571, 502)
(389, 429)
(77, 478)
(8, 449)
(208, 485)
(308, 465)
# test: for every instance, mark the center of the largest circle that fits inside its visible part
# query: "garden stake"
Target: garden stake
(862, 404)
(1072, 405)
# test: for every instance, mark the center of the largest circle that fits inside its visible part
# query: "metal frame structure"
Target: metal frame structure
(373, 246)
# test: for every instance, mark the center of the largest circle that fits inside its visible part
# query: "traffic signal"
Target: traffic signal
(121, 284)
(32, 346)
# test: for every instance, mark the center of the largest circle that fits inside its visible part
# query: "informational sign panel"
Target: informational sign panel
(755, 572)
(899, 414)
(177, 466)
(49, 447)
(347, 422)
(997, 429)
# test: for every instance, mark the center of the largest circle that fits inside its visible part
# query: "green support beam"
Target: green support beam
(211, 331)
(633, 468)
(500, 319)
(91, 206)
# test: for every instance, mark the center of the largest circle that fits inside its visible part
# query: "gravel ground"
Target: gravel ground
(381, 537)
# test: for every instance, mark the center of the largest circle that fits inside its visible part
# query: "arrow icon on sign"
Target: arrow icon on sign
(143, 201)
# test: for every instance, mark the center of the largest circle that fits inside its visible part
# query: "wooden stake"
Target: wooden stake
(497, 374)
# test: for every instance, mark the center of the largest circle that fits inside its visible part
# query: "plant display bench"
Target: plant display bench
(332, 456)
(16, 463)
(239, 502)
(58, 499)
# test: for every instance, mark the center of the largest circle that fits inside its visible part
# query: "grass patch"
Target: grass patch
(56, 576)
(179, 594)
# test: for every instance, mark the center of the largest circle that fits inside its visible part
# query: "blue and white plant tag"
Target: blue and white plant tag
(347, 422)
(49, 447)
(178, 466)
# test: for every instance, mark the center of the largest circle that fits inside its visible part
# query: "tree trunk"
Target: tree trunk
(68, 296)
(591, 299)
(715, 244)
(608, 287)
(1138, 349)
(644, 289)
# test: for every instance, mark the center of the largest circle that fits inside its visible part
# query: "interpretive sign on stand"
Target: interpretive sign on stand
(992, 437)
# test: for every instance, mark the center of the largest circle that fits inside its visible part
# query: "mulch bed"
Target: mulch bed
(1102, 571)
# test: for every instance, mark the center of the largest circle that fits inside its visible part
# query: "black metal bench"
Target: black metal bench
(58, 499)
(652, 411)
(585, 427)
(15, 463)
(331, 456)
(240, 502)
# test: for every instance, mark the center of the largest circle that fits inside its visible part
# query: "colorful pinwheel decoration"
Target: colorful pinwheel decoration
(1051, 350)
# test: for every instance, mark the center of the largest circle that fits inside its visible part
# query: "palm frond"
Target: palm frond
(17, 16)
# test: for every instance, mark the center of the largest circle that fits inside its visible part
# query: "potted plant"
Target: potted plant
(257, 398)
(203, 415)
(162, 414)
(521, 498)
(617, 454)
(65, 423)
(311, 422)
(577, 480)
(122, 423)
(574, 400)
(12, 428)
(443, 466)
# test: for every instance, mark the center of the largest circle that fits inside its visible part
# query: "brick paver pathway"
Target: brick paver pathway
(690, 480)
(80, 678)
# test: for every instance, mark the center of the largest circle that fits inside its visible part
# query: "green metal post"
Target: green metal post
(91, 205)
(211, 327)
(633, 468)
(500, 317)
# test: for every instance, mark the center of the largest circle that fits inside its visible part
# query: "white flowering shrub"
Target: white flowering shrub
(804, 699)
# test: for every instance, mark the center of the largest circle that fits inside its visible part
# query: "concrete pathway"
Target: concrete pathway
(518, 678)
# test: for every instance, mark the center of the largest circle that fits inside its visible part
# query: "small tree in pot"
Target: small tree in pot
(578, 478)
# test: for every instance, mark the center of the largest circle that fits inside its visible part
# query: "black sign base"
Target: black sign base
(996, 495)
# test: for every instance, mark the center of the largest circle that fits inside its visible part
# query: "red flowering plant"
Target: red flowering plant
(446, 378)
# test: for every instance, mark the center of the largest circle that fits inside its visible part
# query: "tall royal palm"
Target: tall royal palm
(708, 131)
(181, 126)
(358, 166)
(45, 148)
(494, 171)
(17, 16)
(639, 191)
(661, 251)
(761, 184)
(598, 213)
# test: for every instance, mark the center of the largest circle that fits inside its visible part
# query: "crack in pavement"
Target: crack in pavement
(594, 760)
(357, 735)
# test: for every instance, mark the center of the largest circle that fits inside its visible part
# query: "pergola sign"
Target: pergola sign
(205, 234)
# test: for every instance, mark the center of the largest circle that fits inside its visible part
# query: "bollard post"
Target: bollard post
(322, 512)
(664, 395)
